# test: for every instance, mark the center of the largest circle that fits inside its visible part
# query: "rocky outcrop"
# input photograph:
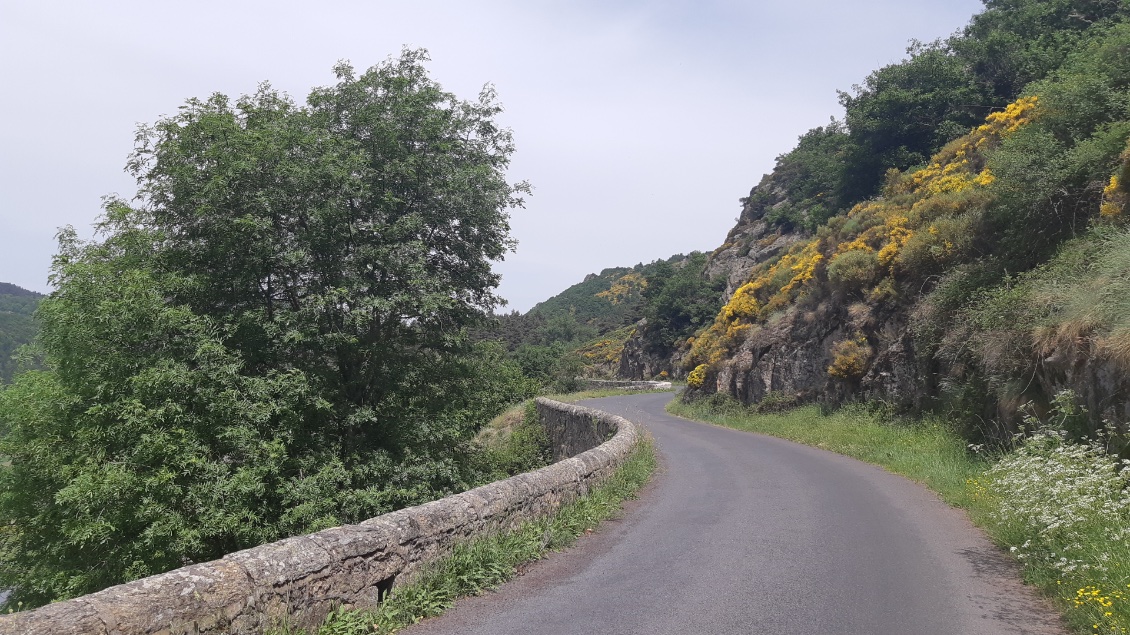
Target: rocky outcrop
(752, 241)
(638, 364)
(787, 361)
(302, 578)
(1099, 381)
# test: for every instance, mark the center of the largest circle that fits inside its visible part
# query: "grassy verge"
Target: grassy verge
(923, 450)
(491, 560)
(1062, 507)
(595, 393)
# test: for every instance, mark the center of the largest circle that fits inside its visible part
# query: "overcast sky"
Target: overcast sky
(639, 123)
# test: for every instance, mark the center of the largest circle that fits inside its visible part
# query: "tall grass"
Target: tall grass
(1062, 507)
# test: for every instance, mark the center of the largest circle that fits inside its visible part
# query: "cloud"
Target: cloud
(639, 124)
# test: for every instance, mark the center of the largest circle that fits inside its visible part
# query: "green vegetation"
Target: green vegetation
(679, 300)
(905, 112)
(1062, 507)
(17, 326)
(491, 560)
(274, 340)
(514, 442)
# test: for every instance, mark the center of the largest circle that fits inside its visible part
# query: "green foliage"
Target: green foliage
(272, 342)
(521, 447)
(1014, 42)
(904, 113)
(806, 188)
(145, 447)
(679, 301)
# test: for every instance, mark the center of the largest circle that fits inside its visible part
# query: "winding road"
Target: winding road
(743, 533)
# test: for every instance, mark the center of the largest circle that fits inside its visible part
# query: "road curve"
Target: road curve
(743, 533)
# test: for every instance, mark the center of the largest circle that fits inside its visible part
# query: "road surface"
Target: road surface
(743, 533)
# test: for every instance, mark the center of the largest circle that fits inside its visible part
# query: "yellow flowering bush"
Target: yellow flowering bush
(853, 270)
(960, 164)
(624, 287)
(850, 358)
(697, 376)
(1114, 199)
(1117, 192)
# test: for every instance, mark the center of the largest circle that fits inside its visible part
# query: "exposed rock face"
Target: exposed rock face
(1103, 387)
(637, 364)
(788, 358)
(748, 244)
(787, 361)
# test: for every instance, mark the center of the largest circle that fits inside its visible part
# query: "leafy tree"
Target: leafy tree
(905, 112)
(810, 178)
(679, 301)
(1015, 42)
(272, 342)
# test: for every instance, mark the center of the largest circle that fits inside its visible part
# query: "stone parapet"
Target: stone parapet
(626, 384)
(305, 577)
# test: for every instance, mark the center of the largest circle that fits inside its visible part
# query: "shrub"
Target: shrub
(850, 358)
(853, 270)
(697, 376)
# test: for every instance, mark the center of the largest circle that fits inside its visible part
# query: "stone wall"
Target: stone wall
(626, 384)
(572, 429)
(354, 566)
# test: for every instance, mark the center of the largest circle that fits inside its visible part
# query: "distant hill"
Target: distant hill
(607, 300)
(583, 330)
(17, 324)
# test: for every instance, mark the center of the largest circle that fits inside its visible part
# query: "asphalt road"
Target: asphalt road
(742, 533)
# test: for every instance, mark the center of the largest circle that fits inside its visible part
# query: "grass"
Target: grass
(1061, 507)
(595, 393)
(922, 450)
(512, 443)
(490, 560)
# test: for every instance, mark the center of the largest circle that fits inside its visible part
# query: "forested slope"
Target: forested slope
(17, 326)
(623, 322)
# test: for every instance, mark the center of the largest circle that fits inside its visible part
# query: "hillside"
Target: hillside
(17, 326)
(958, 241)
(623, 322)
